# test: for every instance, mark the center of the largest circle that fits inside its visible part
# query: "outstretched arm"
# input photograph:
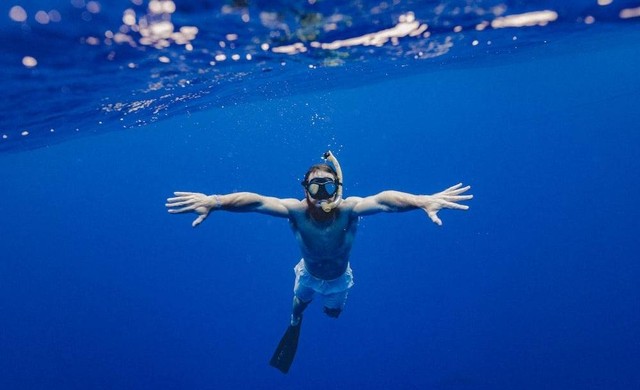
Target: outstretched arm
(395, 201)
(201, 204)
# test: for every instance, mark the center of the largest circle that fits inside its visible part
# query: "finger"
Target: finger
(452, 188)
(178, 204)
(458, 191)
(455, 206)
(182, 198)
(456, 198)
(434, 217)
(178, 193)
(178, 198)
(199, 220)
(182, 210)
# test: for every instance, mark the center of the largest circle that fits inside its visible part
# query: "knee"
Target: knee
(298, 306)
(331, 312)
(300, 303)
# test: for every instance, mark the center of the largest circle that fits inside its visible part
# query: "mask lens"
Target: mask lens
(313, 188)
(331, 188)
(321, 188)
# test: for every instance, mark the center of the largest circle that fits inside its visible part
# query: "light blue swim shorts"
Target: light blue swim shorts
(333, 291)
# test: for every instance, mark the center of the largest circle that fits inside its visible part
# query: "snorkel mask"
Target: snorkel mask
(321, 188)
(324, 188)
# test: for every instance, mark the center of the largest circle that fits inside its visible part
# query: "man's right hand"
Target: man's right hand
(196, 202)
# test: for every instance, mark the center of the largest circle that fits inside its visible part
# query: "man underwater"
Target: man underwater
(324, 225)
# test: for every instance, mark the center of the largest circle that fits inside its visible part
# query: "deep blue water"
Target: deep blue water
(535, 287)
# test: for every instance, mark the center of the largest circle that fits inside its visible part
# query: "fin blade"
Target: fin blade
(286, 351)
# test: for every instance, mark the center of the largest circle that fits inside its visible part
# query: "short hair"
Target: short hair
(320, 167)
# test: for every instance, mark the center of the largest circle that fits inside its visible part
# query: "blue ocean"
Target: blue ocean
(109, 107)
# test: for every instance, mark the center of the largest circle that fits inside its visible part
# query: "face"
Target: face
(320, 177)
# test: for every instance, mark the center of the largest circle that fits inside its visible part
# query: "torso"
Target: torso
(325, 244)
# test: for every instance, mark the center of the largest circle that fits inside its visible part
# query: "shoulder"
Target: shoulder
(348, 204)
(351, 202)
(353, 199)
(294, 205)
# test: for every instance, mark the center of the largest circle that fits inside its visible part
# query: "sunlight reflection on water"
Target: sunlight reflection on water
(162, 54)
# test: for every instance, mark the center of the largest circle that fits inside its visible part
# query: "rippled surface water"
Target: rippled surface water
(84, 67)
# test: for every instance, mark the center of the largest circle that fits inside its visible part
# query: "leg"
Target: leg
(286, 350)
(296, 311)
(335, 300)
(334, 303)
(302, 295)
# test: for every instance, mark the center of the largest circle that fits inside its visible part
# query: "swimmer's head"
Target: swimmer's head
(323, 184)
(320, 184)
(322, 168)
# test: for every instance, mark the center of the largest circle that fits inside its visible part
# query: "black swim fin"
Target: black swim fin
(286, 351)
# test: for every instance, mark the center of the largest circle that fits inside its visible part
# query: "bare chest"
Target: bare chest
(325, 239)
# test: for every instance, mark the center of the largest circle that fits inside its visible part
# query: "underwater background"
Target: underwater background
(109, 107)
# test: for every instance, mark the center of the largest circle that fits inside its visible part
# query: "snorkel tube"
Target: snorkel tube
(327, 207)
